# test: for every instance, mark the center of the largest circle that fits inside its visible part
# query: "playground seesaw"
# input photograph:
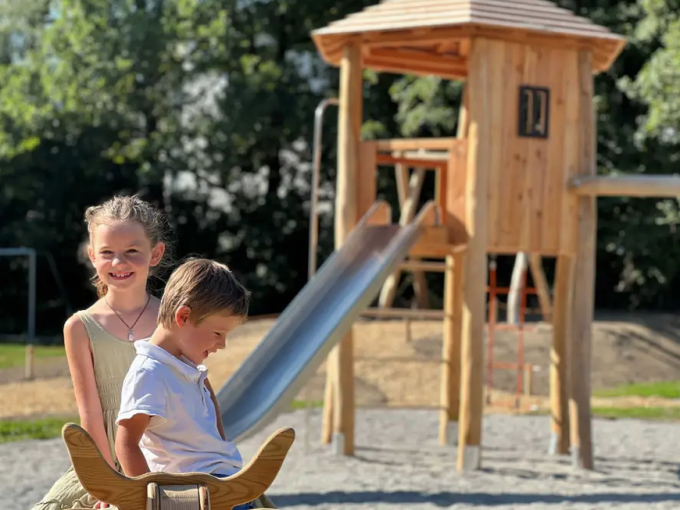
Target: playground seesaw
(165, 491)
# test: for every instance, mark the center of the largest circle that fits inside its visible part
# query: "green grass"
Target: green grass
(301, 404)
(14, 355)
(641, 413)
(666, 389)
(23, 430)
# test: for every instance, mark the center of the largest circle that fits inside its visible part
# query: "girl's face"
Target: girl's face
(122, 255)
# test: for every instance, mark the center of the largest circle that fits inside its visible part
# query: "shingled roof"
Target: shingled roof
(440, 27)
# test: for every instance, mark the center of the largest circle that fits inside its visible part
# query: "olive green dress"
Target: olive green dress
(112, 359)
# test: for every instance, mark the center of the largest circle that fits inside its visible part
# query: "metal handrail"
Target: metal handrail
(316, 178)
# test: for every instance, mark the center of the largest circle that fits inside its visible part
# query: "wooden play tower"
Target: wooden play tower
(507, 183)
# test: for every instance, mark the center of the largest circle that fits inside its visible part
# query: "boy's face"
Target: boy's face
(197, 342)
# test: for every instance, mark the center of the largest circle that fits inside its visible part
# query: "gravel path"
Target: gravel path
(398, 464)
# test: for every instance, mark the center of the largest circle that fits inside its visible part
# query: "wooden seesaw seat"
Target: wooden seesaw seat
(186, 491)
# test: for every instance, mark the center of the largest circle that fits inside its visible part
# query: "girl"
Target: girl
(128, 239)
(128, 242)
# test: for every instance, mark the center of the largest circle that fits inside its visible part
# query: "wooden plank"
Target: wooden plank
(457, 174)
(427, 5)
(541, 284)
(559, 402)
(570, 161)
(475, 268)
(584, 280)
(412, 144)
(407, 213)
(526, 168)
(499, 55)
(538, 159)
(425, 163)
(554, 183)
(513, 200)
(456, 14)
(367, 179)
(380, 65)
(449, 399)
(626, 186)
(401, 175)
(605, 50)
(402, 313)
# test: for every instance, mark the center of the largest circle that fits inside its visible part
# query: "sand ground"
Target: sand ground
(399, 365)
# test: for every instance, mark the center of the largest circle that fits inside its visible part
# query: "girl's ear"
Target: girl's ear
(157, 254)
(90, 253)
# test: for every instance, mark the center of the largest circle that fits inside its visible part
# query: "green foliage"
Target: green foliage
(206, 109)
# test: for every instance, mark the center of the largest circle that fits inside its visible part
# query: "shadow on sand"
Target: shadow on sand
(471, 498)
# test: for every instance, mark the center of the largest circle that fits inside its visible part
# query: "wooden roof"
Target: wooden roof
(433, 35)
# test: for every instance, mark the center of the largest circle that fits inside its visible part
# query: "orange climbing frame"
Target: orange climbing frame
(520, 366)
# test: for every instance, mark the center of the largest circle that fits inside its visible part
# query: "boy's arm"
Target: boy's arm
(127, 444)
(220, 425)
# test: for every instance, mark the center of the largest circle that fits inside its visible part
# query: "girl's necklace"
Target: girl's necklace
(130, 336)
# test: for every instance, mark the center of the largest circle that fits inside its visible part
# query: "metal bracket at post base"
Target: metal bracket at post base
(338, 443)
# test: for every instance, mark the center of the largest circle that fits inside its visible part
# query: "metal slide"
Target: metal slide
(319, 316)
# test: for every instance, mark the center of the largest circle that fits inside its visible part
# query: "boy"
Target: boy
(167, 419)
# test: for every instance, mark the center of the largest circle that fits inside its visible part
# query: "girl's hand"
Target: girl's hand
(101, 504)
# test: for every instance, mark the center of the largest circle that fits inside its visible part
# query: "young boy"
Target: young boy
(167, 419)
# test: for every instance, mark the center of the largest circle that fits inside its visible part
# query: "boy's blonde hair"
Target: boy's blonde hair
(205, 286)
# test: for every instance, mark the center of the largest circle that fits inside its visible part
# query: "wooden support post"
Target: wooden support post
(408, 210)
(584, 281)
(479, 88)
(559, 441)
(327, 414)
(541, 284)
(450, 378)
(346, 217)
(454, 213)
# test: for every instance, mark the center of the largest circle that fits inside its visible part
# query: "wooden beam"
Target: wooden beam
(627, 186)
(579, 350)
(346, 217)
(414, 144)
(425, 163)
(541, 284)
(402, 313)
(420, 265)
(449, 395)
(424, 70)
(479, 87)
(408, 212)
(559, 402)
(453, 175)
(435, 242)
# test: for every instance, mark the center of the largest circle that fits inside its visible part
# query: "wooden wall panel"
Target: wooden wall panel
(529, 208)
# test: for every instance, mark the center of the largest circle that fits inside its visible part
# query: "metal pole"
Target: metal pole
(316, 180)
(314, 225)
(31, 313)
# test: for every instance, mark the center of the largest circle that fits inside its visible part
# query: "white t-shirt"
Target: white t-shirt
(182, 435)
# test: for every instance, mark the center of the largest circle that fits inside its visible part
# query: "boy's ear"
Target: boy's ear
(157, 253)
(182, 315)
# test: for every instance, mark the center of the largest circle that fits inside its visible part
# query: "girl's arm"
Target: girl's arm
(81, 366)
(220, 425)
